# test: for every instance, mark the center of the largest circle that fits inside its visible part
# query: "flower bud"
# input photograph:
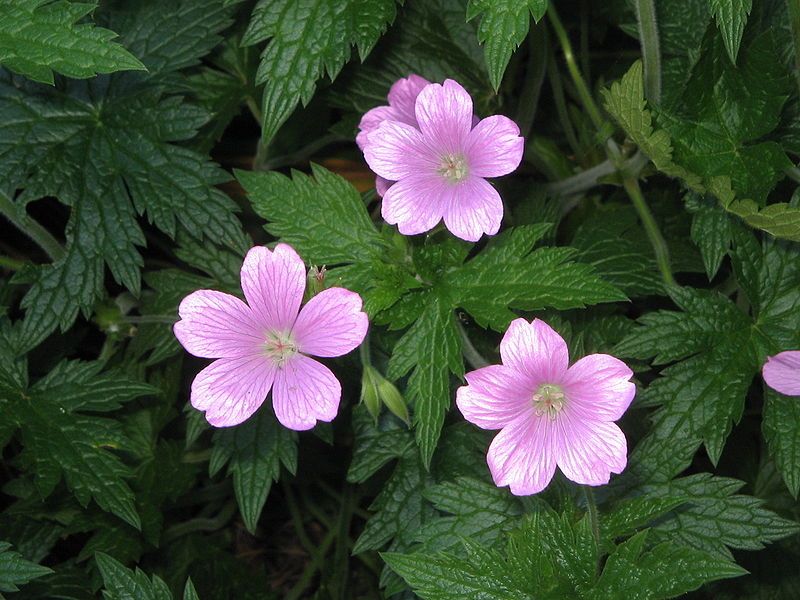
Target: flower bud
(393, 399)
(369, 391)
(315, 282)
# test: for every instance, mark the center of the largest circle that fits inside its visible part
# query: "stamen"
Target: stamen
(453, 167)
(279, 347)
(549, 399)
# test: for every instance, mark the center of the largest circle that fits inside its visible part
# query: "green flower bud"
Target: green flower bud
(393, 399)
(369, 391)
(315, 282)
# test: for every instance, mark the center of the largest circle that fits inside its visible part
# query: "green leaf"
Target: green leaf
(711, 231)
(121, 583)
(723, 165)
(478, 511)
(15, 570)
(39, 36)
(375, 446)
(781, 428)
(665, 571)
(635, 513)
(731, 17)
(306, 39)
(716, 518)
(109, 158)
(189, 593)
(504, 25)
(400, 508)
(321, 215)
(432, 347)
(510, 274)
(254, 452)
(62, 440)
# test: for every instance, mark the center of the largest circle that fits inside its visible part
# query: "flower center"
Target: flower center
(279, 347)
(453, 167)
(548, 400)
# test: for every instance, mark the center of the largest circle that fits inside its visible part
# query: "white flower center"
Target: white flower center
(280, 347)
(453, 167)
(548, 400)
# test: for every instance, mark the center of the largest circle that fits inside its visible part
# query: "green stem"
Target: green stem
(569, 56)
(561, 105)
(473, 357)
(262, 163)
(201, 524)
(534, 77)
(364, 353)
(591, 510)
(660, 249)
(22, 221)
(12, 264)
(793, 6)
(297, 521)
(311, 569)
(651, 49)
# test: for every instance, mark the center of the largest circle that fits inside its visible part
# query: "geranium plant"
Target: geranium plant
(446, 299)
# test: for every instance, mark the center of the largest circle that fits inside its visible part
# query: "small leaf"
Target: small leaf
(121, 583)
(731, 17)
(15, 570)
(781, 427)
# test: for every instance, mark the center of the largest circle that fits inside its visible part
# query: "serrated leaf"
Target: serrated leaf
(432, 347)
(731, 17)
(321, 215)
(478, 511)
(189, 593)
(254, 452)
(121, 583)
(400, 509)
(375, 446)
(62, 440)
(781, 428)
(711, 231)
(665, 571)
(39, 36)
(15, 570)
(635, 513)
(504, 25)
(509, 273)
(717, 518)
(307, 38)
(108, 158)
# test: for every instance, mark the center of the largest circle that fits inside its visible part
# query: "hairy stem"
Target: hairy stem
(22, 221)
(651, 49)
(660, 249)
(569, 56)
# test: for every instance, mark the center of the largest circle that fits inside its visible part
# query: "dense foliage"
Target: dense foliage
(146, 146)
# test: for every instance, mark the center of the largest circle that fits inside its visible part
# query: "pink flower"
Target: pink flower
(402, 99)
(265, 344)
(440, 167)
(548, 412)
(782, 372)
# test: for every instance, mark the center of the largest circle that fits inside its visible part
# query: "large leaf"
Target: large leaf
(39, 36)
(63, 438)
(307, 38)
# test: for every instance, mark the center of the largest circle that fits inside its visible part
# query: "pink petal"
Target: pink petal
(232, 389)
(523, 455)
(444, 114)
(535, 350)
(414, 204)
(381, 185)
(597, 388)
(403, 97)
(396, 150)
(370, 121)
(588, 452)
(494, 147)
(305, 392)
(216, 325)
(782, 372)
(331, 324)
(273, 283)
(495, 396)
(473, 207)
